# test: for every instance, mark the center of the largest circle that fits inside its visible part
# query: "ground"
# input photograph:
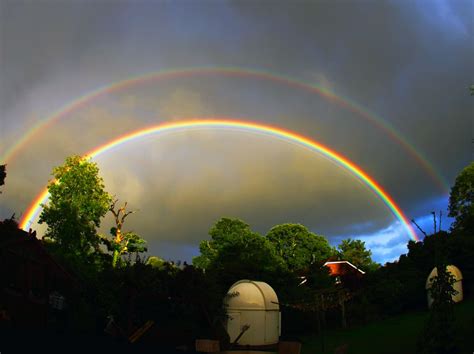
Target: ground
(392, 335)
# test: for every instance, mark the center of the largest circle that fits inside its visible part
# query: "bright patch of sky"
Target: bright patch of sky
(445, 15)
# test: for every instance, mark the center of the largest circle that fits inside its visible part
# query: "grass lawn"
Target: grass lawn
(393, 335)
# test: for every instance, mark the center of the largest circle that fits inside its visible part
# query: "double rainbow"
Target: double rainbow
(287, 135)
(345, 102)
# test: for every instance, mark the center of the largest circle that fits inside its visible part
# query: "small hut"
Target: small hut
(456, 273)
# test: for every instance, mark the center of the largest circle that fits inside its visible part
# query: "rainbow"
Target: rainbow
(35, 207)
(342, 101)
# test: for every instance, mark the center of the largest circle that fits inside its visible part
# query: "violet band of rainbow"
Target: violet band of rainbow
(35, 207)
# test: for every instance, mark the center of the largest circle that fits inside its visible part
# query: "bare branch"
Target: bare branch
(112, 207)
(125, 214)
(120, 214)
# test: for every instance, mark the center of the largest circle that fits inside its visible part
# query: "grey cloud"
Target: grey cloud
(408, 62)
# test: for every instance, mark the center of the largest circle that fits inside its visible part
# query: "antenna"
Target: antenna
(434, 220)
(440, 215)
(419, 228)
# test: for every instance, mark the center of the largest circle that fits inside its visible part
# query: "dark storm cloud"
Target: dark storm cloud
(393, 57)
(48, 38)
(409, 62)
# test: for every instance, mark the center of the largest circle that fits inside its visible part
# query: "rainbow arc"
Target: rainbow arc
(350, 105)
(34, 209)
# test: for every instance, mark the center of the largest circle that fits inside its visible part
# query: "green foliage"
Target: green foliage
(355, 252)
(234, 239)
(223, 234)
(236, 252)
(76, 205)
(298, 247)
(128, 243)
(442, 290)
(461, 248)
(439, 333)
(134, 243)
(250, 256)
(155, 262)
(461, 201)
(122, 242)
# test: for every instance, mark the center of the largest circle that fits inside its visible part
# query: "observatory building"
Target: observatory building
(456, 273)
(254, 316)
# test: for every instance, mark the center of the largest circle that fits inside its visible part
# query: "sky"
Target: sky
(395, 73)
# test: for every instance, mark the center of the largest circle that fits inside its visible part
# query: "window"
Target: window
(57, 301)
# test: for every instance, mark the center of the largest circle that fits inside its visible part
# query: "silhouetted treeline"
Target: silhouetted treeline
(400, 286)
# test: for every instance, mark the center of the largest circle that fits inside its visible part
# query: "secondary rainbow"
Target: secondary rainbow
(340, 100)
(35, 207)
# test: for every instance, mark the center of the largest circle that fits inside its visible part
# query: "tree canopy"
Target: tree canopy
(355, 252)
(155, 262)
(298, 247)
(461, 200)
(234, 246)
(76, 205)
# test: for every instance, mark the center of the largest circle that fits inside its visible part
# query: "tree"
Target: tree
(439, 333)
(123, 242)
(355, 252)
(155, 262)
(3, 175)
(76, 205)
(461, 201)
(237, 251)
(299, 247)
(223, 233)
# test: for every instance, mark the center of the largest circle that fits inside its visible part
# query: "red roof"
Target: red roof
(338, 268)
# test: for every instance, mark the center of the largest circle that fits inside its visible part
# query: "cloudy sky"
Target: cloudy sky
(400, 71)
